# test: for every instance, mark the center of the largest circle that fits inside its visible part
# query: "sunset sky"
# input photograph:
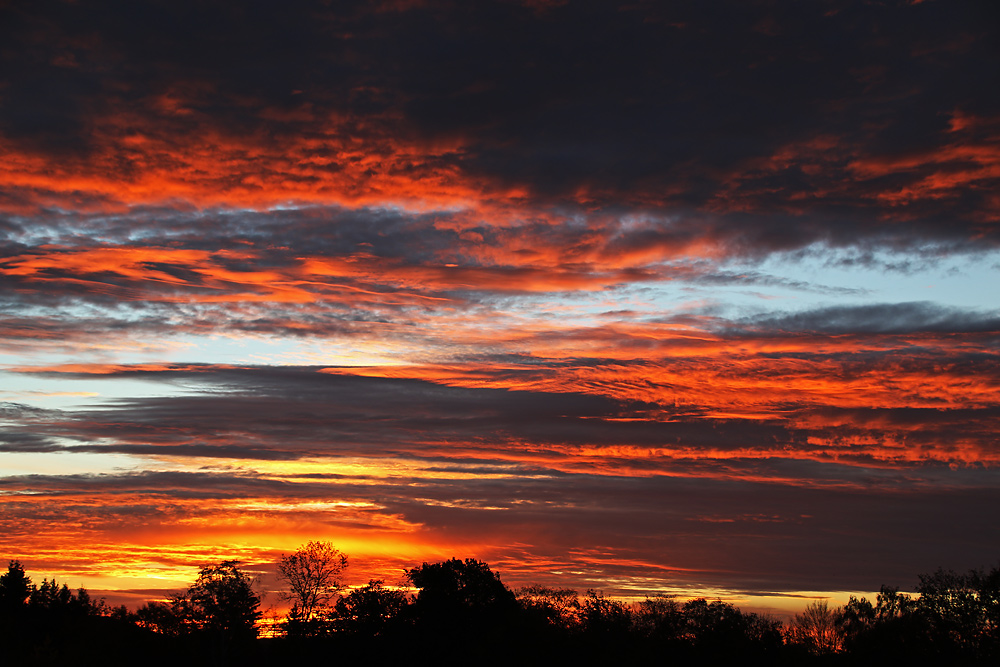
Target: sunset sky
(691, 297)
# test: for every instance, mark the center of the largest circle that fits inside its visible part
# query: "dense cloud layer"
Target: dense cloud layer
(644, 496)
(646, 296)
(773, 127)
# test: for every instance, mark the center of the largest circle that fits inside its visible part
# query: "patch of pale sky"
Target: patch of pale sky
(59, 391)
(960, 281)
(297, 351)
(67, 463)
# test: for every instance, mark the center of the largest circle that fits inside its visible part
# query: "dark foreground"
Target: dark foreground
(463, 614)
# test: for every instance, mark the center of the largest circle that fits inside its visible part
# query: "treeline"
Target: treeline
(462, 613)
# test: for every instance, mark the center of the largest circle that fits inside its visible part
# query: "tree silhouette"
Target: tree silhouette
(464, 614)
(719, 628)
(370, 610)
(816, 629)
(660, 619)
(15, 587)
(461, 587)
(603, 617)
(962, 612)
(892, 629)
(222, 601)
(50, 595)
(550, 607)
(162, 618)
(463, 610)
(314, 573)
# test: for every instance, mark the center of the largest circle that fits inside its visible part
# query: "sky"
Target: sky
(695, 298)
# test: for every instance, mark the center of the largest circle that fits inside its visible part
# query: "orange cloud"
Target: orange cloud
(138, 160)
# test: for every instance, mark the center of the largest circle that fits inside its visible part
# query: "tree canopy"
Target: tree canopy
(314, 574)
(222, 600)
(463, 613)
(15, 586)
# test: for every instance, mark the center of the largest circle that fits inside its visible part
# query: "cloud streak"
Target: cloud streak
(408, 466)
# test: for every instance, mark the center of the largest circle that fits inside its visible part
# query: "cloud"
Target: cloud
(514, 233)
(630, 535)
(775, 138)
(883, 318)
(435, 280)
(726, 426)
(639, 496)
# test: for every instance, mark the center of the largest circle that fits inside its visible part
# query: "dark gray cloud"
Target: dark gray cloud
(20, 441)
(881, 318)
(627, 535)
(789, 124)
(285, 412)
(271, 413)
